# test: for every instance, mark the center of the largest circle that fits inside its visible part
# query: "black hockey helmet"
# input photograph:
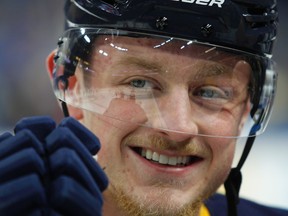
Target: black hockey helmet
(247, 25)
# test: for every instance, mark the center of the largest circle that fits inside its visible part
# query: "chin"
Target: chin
(154, 201)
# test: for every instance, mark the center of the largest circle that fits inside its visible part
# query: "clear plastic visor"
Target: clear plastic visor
(164, 83)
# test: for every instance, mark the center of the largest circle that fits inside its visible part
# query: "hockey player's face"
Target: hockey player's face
(164, 134)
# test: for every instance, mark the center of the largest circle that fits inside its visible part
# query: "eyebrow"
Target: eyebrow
(211, 70)
(202, 70)
(152, 66)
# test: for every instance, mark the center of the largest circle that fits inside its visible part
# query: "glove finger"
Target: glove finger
(41, 126)
(84, 135)
(66, 162)
(70, 198)
(21, 163)
(4, 136)
(63, 137)
(24, 139)
(22, 195)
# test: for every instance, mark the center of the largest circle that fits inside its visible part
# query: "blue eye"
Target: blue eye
(208, 93)
(211, 92)
(140, 83)
(212, 97)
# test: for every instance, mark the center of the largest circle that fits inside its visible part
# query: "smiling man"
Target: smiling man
(168, 88)
(156, 102)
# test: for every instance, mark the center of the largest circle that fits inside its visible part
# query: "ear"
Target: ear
(50, 65)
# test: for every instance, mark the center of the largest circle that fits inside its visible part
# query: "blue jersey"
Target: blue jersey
(217, 206)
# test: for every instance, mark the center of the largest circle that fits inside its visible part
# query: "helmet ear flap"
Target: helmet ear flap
(263, 88)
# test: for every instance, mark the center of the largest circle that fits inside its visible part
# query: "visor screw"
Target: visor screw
(60, 42)
(56, 57)
(206, 30)
(161, 23)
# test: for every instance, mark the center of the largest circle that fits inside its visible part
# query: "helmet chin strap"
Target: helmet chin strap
(234, 180)
(64, 108)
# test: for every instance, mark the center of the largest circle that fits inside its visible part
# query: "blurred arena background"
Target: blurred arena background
(29, 31)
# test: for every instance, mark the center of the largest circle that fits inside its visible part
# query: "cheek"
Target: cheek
(223, 154)
(218, 127)
(125, 110)
(223, 148)
(120, 116)
(223, 124)
(111, 131)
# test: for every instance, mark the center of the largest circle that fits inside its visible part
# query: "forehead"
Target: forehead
(166, 47)
(167, 57)
(171, 58)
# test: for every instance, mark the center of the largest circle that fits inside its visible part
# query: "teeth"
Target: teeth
(155, 156)
(149, 154)
(164, 159)
(172, 161)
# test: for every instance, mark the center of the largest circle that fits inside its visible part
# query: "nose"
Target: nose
(175, 118)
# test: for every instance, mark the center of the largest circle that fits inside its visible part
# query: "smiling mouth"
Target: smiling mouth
(161, 159)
